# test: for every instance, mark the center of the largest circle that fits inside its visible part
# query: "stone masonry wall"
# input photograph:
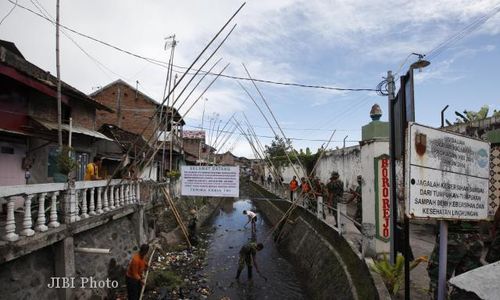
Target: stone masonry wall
(27, 277)
(121, 238)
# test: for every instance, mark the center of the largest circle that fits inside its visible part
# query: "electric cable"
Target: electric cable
(165, 64)
(10, 11)
(441, 47)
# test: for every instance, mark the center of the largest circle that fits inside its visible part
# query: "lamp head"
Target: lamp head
(420, 63)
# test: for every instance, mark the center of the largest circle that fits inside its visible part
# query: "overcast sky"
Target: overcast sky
(349, 44)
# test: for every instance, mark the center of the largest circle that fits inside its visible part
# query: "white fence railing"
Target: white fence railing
(315, 205)
(58, 202)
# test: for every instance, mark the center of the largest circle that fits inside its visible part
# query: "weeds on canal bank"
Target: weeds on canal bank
(393, 275)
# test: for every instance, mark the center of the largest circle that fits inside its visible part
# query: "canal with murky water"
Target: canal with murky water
(223, 253)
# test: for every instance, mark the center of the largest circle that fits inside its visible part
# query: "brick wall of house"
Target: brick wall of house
(192, 146)
(43, 108)
(83, 115)
(136, 112)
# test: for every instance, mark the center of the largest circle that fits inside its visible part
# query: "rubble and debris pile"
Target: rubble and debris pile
(176, 273)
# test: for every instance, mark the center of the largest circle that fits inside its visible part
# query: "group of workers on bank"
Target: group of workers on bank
(332, 192)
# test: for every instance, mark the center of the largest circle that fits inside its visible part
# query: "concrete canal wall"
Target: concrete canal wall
(331, 267)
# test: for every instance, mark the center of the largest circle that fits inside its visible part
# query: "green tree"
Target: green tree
(277, 151)
(470, 116)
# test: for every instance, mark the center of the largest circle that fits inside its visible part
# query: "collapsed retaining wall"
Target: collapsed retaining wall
(333, 269)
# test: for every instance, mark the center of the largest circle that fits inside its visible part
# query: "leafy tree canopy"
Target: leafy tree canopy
(470, 116)
(279, 149)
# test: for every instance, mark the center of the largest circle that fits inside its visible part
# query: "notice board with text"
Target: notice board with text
(210, 181)
(447, 175)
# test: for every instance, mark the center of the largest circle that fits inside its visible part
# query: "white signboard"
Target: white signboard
(211, 181)
(447, 175)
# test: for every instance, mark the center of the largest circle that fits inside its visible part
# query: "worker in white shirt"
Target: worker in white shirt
(252, 217)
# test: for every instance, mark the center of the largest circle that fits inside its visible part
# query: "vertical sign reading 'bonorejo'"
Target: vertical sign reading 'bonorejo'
(210, 181)
(382, 202)
(447, 175)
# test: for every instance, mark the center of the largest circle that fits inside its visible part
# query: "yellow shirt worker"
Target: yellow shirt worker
(92, 169)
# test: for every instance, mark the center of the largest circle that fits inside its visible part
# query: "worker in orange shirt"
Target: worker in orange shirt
(294, 185)
(136, 268)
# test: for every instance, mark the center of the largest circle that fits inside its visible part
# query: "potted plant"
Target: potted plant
(65, 164)
(173, 175)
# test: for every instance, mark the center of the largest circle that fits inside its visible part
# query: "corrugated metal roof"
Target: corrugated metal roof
(74, 129)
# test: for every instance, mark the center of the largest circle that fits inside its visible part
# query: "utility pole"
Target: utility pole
(392, 166)
(58, 71)
(172, 127)
(202, 129)
(168, 85)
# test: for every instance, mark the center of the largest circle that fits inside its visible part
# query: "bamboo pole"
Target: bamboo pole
(147, 273)
(176, 215)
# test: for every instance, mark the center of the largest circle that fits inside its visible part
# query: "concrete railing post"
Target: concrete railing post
(127, 193)
(40, 222)
(342, 209)
(122, 195)
(105, 200)
(138, 192)
(117, 196)
(99, 201)
(92, 203)
(111, 197)
(84, 204)
(10, 224)
(70, 203)
(320, 209)
(53, 223)
(132, 192)
(27, 222)
(77, 205)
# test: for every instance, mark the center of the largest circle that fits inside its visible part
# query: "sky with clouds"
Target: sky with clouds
(348, 44)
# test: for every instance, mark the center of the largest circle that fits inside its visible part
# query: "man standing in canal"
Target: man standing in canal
(135, 270)
(248, 254)
(252, 218)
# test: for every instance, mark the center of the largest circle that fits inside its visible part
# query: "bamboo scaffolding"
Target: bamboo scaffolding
(176, 214)
(177, 84)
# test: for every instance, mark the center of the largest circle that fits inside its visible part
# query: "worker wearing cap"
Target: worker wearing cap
(335, 188)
